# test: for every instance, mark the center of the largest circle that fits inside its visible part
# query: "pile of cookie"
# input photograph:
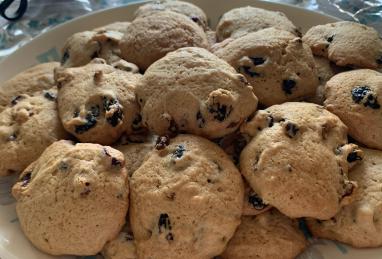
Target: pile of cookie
(161, 138)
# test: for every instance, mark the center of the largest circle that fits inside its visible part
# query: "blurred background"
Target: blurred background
(42, 15)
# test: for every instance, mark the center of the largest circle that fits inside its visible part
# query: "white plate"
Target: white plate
(46, 47)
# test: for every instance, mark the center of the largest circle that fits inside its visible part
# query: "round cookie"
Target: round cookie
(151, 37)
(359, 223)
(240, 21)
(276, 63)
(73, 199)
(34, 79)
(325, 71)
(192, 11)
(346, 44)
(283, 161)
(191, 90)
(355, 97)
(186, 200)
(80, 48)
(122, 247)
(266, 236)
(96, 102)
(253, 205)
(27, 127)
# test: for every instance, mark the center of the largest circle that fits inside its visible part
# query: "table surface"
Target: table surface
(42, 15)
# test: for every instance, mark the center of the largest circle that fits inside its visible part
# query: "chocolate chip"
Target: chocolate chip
(330, 39)
(162, 142)
(364, 95)
(164, 222)
(247, 70)
(256, 202)
(50, 96)
(16, 99)
(288, 85)
(220, 111)
(65, 57)
(353, 156)
(26, 179)
(291, 129)
(200, 120)
(179, 151)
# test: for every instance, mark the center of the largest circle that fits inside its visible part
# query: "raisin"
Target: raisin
(16, 99)
(353, 156)
(359, 93)
(178, 153)
(63, 166)
(117, 116)
(291, 129)
(26, 179)
(270, 121)
(50, 96)
(220, 111)
(247, 70)
(65, 57)
(162, 142)
(136, 122)
(91, 121)
(379, 60)
(257, 60)
(256, 202)
(170, 237)
(115, 162)
(200, 120)
(164, 222)
(288, 85)
(195, 19)
(12, 137)
(330, 39)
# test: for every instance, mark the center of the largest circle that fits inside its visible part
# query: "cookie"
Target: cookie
(240, 21)
(151, 37)
(325, 71)
(346, 44)
(211, 37)
(186, 200)
(96, 102)
(34, 79)
(136, 153)
(80, 48)
(71, 194)
(192, 11)
(283, 163)
(191, 90)
(253, 205)
(266, 236)
(356, 98)
(122, 247)
(360, 223)
(276, 63)
(27, 127)
(115, 26)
